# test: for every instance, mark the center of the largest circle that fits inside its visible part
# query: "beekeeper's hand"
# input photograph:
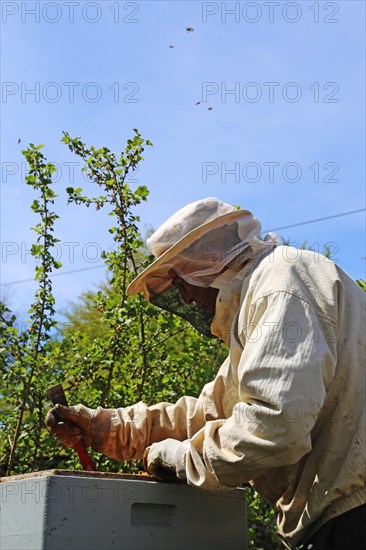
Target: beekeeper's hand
(71, 424)
(165, 460)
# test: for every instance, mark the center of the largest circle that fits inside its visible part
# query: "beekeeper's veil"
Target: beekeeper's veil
(198, 243)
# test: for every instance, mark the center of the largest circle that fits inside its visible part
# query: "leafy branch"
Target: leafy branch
(110, 173)
(28, 348)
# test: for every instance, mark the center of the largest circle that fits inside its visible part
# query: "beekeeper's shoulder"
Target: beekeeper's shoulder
(305, 274)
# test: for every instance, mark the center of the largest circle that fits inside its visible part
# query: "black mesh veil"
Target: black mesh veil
(171, 300)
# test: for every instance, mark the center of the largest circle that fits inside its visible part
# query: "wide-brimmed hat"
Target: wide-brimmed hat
(185, 227)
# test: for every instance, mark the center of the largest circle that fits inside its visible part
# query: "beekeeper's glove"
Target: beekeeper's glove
(71, 424)
(165, 460)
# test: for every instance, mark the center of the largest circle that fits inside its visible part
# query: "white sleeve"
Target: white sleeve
(284, 369)
(124, 433)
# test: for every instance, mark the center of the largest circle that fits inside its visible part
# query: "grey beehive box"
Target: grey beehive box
(63, 510)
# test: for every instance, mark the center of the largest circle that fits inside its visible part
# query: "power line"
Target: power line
(316, 220)
(266, 231)
(57, 274)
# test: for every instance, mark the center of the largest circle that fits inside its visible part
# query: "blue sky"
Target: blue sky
(287, 142)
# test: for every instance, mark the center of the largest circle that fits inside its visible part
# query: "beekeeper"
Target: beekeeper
(286, 411)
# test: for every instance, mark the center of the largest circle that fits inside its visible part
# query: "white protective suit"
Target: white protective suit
(286, 411)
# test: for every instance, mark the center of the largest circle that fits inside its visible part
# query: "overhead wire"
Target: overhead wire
(317, 220)
(266, 231)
